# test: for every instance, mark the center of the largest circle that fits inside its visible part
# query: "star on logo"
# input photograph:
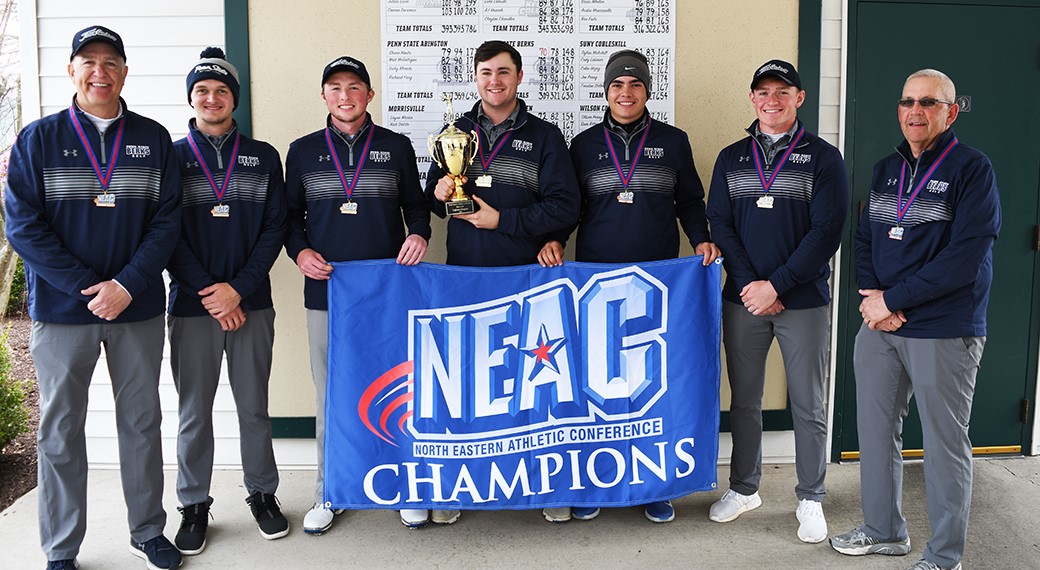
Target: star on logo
(324, 157)
(68, 152)
(544, 352)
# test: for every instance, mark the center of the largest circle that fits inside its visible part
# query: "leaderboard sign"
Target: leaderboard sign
(521, 387)
(428, 48)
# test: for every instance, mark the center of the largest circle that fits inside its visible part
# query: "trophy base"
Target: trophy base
(456, 207)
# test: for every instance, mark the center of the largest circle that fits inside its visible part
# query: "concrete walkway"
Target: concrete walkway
(1003, 532)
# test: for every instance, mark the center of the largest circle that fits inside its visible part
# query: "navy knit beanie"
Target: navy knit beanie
(214, 65)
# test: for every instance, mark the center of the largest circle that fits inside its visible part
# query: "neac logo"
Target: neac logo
(522, 146)
(379, 155)
(251, 161)
(479, 368)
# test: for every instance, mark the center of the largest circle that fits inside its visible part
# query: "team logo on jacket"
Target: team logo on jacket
(937, 186)
(604, 155)
(522, 146)
(892, 181)
(138, 151)
(379, 155)
(800, 158)
(653, 152)
(191, 164)
(70, 152)
(324, 157)
(473, 370)
(251, 161)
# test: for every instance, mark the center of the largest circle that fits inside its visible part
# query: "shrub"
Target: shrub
(14, 414)
(17, 301)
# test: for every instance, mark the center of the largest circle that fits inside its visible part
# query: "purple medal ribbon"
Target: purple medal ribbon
(484, 164)
(626, 178)
(902, 209)
(103, 177)
(218, 192)
(349, 188)
(767, 184)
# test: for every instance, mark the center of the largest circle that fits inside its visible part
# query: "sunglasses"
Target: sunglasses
(925, 102)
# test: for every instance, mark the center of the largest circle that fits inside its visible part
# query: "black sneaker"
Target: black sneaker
(62, 564)
(191, 538)
(157, 552)
(268, 516)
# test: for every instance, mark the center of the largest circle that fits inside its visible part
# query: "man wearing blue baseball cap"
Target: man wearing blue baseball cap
(93, 209)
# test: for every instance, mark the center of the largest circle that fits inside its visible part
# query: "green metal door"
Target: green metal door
(992, 53)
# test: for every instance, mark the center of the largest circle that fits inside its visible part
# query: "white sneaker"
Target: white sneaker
(732, 505)
(812, 526)
(319, 519)
(415, 518)
(445, 517)
(557, 515)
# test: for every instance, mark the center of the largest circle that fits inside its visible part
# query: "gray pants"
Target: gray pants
(941, 372)
(196, 347)
(804, 342)
(65, 357)
(318, 337)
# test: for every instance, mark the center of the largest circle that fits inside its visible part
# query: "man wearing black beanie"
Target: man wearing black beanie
(233, 225)
(636, 176)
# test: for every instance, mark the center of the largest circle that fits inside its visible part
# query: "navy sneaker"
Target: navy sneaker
(191, 538)
(62, 564)
(660, 512)
(158, 552)
(584, 513)
(269, 517)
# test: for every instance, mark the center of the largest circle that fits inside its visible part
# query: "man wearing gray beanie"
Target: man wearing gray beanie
(636, 177)
(233, 225)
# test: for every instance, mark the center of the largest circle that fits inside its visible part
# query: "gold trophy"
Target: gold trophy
(453, 150)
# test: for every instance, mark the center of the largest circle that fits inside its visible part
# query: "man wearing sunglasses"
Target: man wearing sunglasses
(924, 264)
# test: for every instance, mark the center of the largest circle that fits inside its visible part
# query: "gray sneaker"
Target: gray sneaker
(923, 564)
(857, 543)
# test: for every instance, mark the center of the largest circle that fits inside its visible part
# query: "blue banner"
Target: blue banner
(521, 387)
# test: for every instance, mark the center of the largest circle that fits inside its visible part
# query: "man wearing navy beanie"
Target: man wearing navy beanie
(233, 225)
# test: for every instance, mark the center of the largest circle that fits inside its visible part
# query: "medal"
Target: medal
(766, 202)
(626, 196)
(349, 207)
(103, 200)
(221, 210)
(896, 232)
(484, 181)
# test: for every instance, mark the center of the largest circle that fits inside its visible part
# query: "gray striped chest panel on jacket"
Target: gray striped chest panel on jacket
(373, 183)
(82, 184)
(789, 184)
(508, 170)
(884, 205)
(647, 178)
(244, 187)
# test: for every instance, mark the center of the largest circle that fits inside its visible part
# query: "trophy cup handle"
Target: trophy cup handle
(430, 146)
